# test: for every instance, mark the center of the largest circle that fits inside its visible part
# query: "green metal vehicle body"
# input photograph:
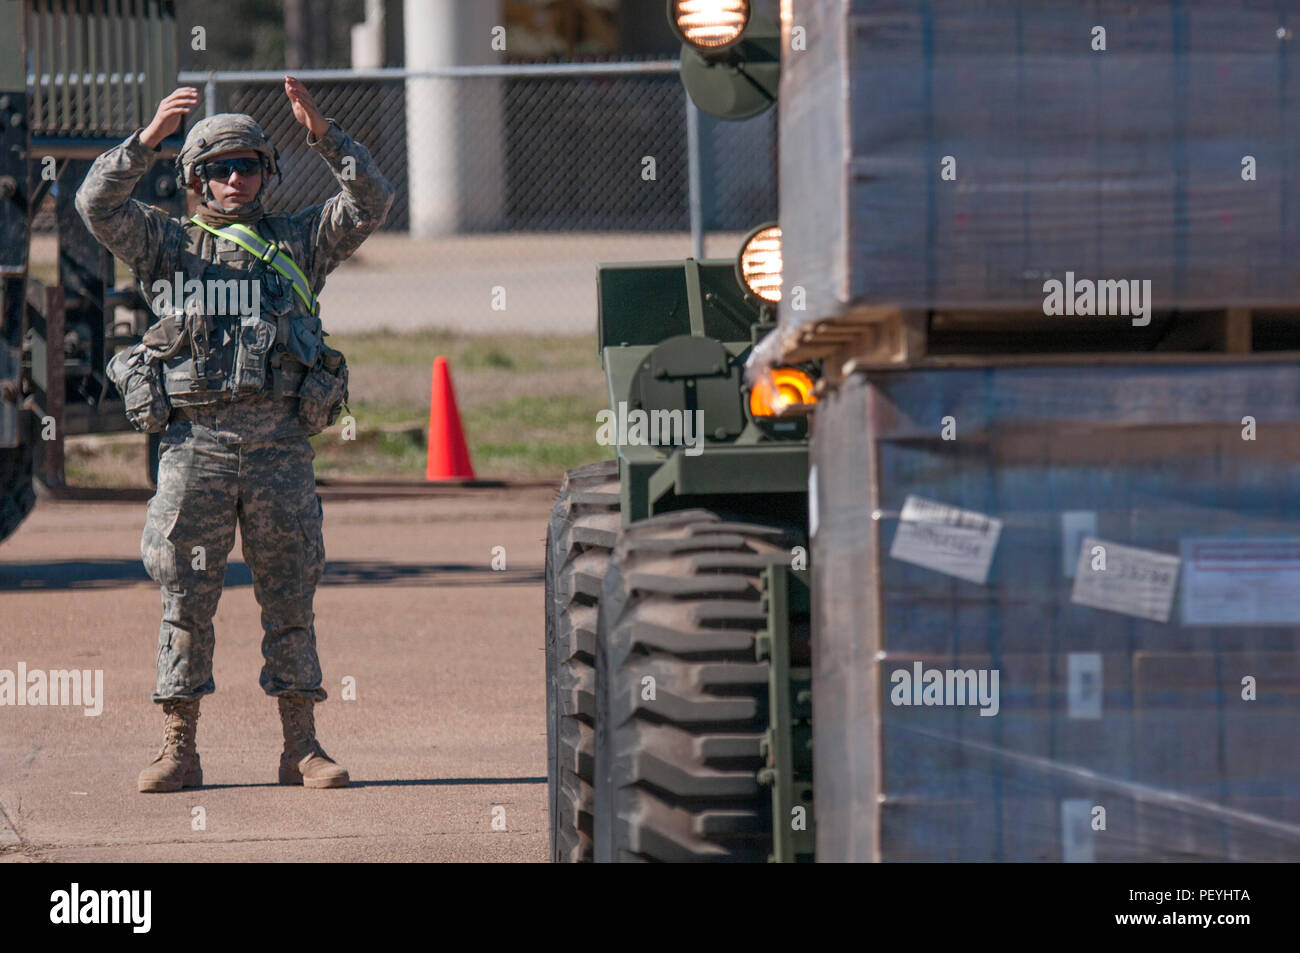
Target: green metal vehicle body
(674, 337)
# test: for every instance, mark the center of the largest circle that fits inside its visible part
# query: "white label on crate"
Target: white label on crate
(1083, 681)
(1077, 844)
(1075, 525)
(1241, 581)
(1137, 582)
(946, 539)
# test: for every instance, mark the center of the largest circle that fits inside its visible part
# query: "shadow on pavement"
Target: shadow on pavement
(397, 782)
(112, 573)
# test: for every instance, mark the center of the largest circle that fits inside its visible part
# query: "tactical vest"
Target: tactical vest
(210, 352)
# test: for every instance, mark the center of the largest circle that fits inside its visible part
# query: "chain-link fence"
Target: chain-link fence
(512, 183)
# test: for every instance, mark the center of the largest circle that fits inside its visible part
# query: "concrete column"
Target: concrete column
(368, 38)
(454, 127)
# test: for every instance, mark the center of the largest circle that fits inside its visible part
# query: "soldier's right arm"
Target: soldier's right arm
(134, 232)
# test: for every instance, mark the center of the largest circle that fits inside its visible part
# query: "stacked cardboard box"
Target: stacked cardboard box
(949, 154)
(958, 520)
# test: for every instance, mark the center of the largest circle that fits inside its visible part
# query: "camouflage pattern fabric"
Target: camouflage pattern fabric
(152, 242)
(204, 486)
(245, 457)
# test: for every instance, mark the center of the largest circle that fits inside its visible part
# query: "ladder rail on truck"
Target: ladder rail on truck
(75, 80)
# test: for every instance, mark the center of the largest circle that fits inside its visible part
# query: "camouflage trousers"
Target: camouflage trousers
(204, 487)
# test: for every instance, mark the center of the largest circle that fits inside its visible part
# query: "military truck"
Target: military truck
(1027, 590)
(75, 79)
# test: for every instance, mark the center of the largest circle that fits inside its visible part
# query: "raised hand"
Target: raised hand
(168, 117)
(304, 108)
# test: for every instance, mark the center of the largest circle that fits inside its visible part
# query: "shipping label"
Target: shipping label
(1125, 579)
(1235, 581)
(946, 539)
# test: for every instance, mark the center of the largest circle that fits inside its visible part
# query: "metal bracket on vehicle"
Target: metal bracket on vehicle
(10, 373)
(788, 744)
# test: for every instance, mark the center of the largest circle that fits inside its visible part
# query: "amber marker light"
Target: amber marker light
(710, 25)
(780, 388)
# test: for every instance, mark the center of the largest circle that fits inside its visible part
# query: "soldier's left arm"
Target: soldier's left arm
(337, 227)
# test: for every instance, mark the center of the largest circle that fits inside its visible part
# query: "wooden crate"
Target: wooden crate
(1154, 455)
(877, 338)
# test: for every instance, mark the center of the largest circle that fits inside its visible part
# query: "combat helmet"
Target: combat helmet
(224, 132)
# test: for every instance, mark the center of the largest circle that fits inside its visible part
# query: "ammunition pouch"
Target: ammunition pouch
(324, 391)
(303, 338)
(256, 336)
(166, 338)
(286, 376)
(139, 381)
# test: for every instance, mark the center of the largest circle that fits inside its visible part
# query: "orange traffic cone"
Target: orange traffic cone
(448, 455)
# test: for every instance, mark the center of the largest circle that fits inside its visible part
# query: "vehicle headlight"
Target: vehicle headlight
(709, 25)
(759, 265)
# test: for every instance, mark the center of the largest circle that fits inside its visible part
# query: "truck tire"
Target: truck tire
(17, 497)
(676, 773)
(579, 541)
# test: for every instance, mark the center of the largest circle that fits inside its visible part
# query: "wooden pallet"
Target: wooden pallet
(875, 338)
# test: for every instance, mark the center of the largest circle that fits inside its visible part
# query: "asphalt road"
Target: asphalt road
(446, 735)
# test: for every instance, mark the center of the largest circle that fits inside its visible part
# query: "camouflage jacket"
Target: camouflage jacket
(242, 382)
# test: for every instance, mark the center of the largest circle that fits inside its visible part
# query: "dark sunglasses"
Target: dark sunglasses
(221, 168)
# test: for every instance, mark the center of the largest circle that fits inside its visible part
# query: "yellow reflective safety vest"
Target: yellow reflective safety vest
(244, 322)
(267, 254)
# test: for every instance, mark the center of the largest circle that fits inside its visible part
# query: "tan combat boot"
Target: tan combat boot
(177, 765)
(304, 761)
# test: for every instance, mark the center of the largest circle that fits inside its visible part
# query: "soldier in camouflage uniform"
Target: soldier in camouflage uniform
(236, 397)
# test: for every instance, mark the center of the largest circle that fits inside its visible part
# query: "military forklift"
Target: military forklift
(75, 79)
(687, 671)
(677, 603)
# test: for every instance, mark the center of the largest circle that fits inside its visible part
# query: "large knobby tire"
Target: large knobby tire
(676, 774)
(579, 541)
(17, 496)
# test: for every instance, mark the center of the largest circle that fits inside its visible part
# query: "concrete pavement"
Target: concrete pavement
(448, 723)
(492, 283)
